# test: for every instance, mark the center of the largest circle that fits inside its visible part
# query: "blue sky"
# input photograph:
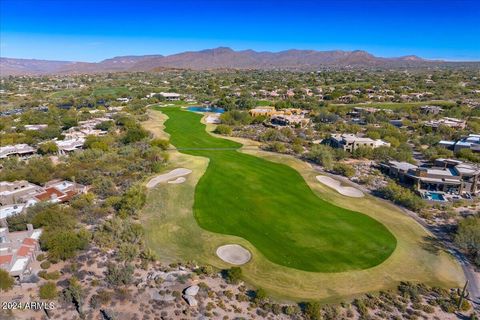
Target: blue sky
(94, 30)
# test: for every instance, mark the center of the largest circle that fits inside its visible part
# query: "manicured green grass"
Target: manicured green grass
(115, 91)
(270, 205)
(264, 103)
(173, 233)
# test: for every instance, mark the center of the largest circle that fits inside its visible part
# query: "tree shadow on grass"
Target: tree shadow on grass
(432, 245)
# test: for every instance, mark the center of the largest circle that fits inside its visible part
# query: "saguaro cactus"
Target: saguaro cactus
(462, 295)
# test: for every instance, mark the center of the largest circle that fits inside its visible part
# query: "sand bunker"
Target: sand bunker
(178, 180)
(170, 177)
(337, 185)
(234, 254)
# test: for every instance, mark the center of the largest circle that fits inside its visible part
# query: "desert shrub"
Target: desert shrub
(233, 275)
(468, 237)
(361, 307)
(160, 143)
(313, 311)
(48, 291)
(402, 196)
(55, 275)
(276, 147)
(45, 264)
(118, 275)
(260, 295)
(344, 169)
(223, 129)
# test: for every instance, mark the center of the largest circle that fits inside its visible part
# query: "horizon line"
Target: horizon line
(440, 59)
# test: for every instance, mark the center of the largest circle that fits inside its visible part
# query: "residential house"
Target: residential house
(351, 142)
(444, 176)
(16, 196)
(289, 120)
(17, 191)
(431, 109)
(18, 250)
(170, 96)
(472, 142)
(69, 145)
(17, 150)
(262, 111)
(449, 122)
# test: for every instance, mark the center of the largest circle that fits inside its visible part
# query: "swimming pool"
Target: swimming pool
(436, 196)
(206, 109)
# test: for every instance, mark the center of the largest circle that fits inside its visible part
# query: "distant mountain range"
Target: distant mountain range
(218, 58)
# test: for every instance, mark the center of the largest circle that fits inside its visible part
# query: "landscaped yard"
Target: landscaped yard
(174, 234)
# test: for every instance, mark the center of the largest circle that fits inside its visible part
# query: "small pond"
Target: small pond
(206, 109)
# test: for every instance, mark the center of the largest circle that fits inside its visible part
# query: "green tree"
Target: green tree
(135, 134)
(48, 147)
(6, 282)
(467, 237)
(63, 244)
(344, 169)
(133, 200)
(260, 295)
(233, 275)
(223, 129)
(322, 155)
(313, 311)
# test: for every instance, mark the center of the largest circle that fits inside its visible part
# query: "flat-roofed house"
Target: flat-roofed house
(58, 191)
(289, 120)
(9, 210)
(17, 149)
(448, 122)
(472, 142)
(350, 142)
(445, 175)
(170, 96)
(17, 191)
(263, 111)
(18, 250)
(70, 144)
(431, 109)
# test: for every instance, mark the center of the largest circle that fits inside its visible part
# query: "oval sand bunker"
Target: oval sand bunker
(234, 254)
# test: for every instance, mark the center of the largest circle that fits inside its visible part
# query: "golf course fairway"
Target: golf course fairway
(270, 205)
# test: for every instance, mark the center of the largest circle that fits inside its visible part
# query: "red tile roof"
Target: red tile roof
(68, 196)
(29, 242)
(6, 259)
(24, 251)
(47, 195)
